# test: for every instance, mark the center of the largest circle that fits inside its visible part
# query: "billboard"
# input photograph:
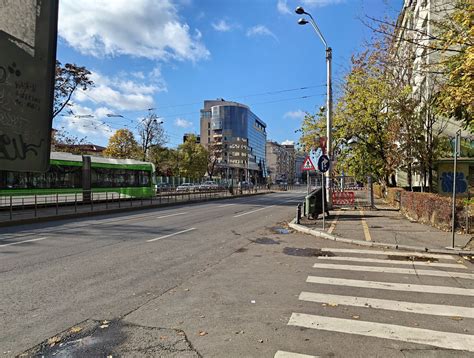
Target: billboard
(28, 32)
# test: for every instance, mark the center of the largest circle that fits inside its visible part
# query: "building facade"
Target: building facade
(278, 163)
(417, 25)
(237, 137)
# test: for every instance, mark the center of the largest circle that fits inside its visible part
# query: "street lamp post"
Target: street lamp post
(300, 11)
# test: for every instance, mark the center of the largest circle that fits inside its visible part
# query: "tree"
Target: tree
(165, 160)
(68, 78)
(214, 151)
(363, 116)
(456, 94)
(151, 134)
(63, 141)
(122, 144)
(192, 159)
(313, 127)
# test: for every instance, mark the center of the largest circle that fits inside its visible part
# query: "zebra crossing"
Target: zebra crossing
(332, 282)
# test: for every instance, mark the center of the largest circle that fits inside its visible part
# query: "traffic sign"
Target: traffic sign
(323, 163)
(307, 164)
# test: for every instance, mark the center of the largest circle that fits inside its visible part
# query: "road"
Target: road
(221, 279)
(55, 275)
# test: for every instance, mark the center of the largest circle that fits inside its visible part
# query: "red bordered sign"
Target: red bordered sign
(343, 197)
(307, 164)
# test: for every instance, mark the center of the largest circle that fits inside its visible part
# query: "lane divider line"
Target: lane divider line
(170, 215)
(333, 224)
(173, 234)
(22, 242)
(365, 227)
(284, 354)
(253, 211)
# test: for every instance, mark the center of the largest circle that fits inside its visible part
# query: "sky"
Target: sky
(169, 56)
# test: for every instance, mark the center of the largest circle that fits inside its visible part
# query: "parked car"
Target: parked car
(245, 185)
(163, 187)
(186, 187)
(208, 185)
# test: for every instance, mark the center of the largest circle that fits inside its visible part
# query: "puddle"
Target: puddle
(280, 230)
(242, 249)
(306, 252)
(265, 241)
(412, 258)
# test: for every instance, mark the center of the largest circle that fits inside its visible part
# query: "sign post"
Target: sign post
(28, 32)
(323, 166)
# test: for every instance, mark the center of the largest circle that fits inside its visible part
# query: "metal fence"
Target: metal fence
(13, 208)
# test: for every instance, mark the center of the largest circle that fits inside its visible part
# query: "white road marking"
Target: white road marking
(393, 253)
(396, 270)
(253, 211)
(173, 234)
(401, 306)
(222, 206)
(445, 290)
(387, 331)
(170, 215)
(22, 242)
(283, 354)
(395, 262)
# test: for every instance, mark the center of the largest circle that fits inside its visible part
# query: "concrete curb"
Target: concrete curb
(326, 236)
(43, 219)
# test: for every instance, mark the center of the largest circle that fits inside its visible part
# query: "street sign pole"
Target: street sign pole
(323, 192)
(456, 143)
(307, 180)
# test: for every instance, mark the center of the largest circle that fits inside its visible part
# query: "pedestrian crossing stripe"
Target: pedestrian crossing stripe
(391, 253)
(393, 262)
(390, 305)
(440, 339)
(391, 286)
(403, 271)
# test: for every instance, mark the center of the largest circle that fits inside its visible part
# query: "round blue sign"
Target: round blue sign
(323, 163)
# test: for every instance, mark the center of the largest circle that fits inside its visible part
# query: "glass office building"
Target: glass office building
(238, 136)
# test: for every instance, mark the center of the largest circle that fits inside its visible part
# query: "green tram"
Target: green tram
(125, 178)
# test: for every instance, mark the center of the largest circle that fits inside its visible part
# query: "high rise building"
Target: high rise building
(237, 137)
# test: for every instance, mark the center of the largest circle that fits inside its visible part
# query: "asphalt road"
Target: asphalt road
(57, 274)
(220, 279)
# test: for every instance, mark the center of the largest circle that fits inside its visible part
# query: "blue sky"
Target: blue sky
(171, 55)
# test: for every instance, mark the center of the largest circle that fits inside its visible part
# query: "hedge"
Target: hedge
(428, 208)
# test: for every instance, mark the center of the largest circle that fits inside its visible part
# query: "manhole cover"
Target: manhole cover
(306, 252)
(412, 258)
(265, 241)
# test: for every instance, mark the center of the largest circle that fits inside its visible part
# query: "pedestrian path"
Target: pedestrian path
(380, 284)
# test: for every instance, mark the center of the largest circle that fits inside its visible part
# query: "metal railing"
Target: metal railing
(14, 207)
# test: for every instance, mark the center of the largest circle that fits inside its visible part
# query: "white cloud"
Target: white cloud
(282, 7)
(321, 3)
(288, 142)
(139, 28)
(221, 26)
(183, 123)
(298, 114)
(260, 30)
(122, 92)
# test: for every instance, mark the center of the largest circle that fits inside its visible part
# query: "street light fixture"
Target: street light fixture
(300, 11)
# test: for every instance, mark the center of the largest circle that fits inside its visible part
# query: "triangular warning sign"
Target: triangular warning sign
(307, 164)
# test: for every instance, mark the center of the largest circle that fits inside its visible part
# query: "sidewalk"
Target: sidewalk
(386, 226)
